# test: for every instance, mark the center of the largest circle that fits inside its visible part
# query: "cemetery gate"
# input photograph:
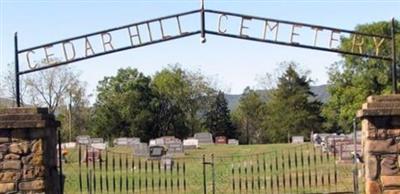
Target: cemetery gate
(302, 169)
(118, 171)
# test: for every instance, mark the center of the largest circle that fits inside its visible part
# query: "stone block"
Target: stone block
(11, 164)
(391, 192)
(35, 185)
(7, 187)
(384, 98)
(37, 146)
(9, 176)
(19, 148)
(33, 172)
(372, 187)
(390, 181)
(389, 165)
(382, 146)
(12, 157)
(37, 159)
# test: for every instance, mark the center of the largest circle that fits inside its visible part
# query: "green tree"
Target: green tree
(182, 96)
(124, 106)
(354, 78)
(248, 117)
(291, 109)
(218, 120)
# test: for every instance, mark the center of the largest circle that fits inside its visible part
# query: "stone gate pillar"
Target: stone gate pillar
(28, 160)
(380, 120)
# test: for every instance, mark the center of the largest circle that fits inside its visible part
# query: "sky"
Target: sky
(233, 63)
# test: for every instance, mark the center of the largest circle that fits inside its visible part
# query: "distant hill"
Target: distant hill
(321, 92)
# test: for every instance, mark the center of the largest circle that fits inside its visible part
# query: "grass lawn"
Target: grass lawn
(271, 168)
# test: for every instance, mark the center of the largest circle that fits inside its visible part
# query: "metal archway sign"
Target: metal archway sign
(143, 33)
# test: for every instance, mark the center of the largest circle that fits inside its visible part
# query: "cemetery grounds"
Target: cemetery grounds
(269, 168)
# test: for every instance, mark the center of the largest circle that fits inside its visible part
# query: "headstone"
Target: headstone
(156, 152)
(152, 142)
(190, 143)
(204, 138)
(99, 146)
(233, 142)
(83, 139)
(97, 140)
(141, 149)
(297, 139)
(133, 140)
(220, 140)
(68, 145)
(121, 141)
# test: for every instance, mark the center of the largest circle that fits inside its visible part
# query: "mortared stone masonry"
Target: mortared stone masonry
(380, 120)
(28, 153)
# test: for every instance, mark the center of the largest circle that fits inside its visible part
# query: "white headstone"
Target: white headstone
(191, 143)
(297, 139)
(83, 139)
(133, 140)
(152, 142)
(68, 145)
(99, 146)
(121, 141)
(97, 140)
(233, 142)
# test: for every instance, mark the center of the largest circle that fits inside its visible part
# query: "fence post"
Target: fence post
(213, 173)
(355, 169)
(204, 175)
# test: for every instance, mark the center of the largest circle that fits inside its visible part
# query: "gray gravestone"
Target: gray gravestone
(133, 141)
(141, 149)
(204, 138)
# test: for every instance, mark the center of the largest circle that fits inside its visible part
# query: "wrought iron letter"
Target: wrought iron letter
(29, 61)
(149, 30)
(316, 34)
(48, 55)
(294, 33)
(243, 27)
(105, 43)
(179, 26)
(378, 45)
(358, 44)
(88, 47)
(163, 36)
(65, 51)
(333, 39)
(137, 34)
(271, 28)
(219, 23)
